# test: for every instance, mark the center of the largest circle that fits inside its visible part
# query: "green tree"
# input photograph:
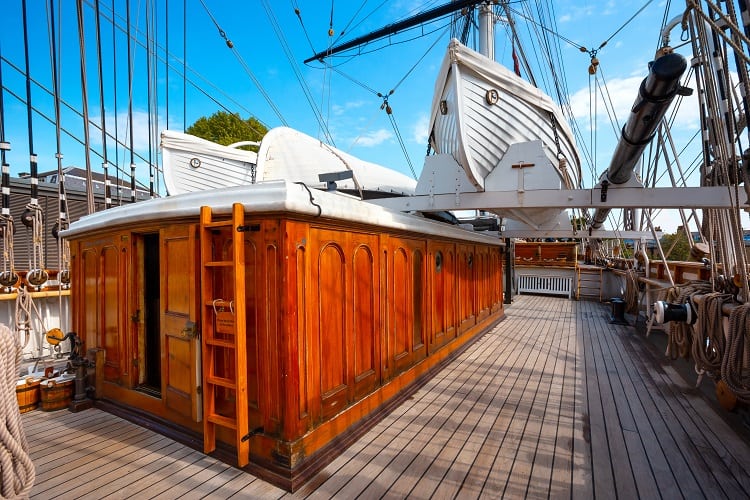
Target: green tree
(679, 245)
(228, 128)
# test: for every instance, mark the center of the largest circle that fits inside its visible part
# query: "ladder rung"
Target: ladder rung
(220, 223)
(227, 344)
(219, 263)
(223, 382)
(223, 421)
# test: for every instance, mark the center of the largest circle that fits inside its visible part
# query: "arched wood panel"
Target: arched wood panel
(466, 286)
(253, 322)
(366, 338)
(331, 294)
(401, 319)
(418, 299)
(271, 344)
(451, 293)
(88, 325)
(437, 306)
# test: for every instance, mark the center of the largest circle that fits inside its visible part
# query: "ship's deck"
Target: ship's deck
(554, 401)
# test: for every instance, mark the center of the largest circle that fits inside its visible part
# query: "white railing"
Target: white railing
(552, 285)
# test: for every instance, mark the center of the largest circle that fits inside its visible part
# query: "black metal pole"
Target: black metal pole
(508, 271)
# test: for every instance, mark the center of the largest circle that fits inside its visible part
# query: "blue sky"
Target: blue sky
(345, 97)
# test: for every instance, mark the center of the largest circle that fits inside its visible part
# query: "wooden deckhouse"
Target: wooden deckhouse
(276, 321)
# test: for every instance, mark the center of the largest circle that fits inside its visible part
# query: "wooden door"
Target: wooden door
(181, 352)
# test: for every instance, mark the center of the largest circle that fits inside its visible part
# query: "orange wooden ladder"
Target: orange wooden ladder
(223, 331)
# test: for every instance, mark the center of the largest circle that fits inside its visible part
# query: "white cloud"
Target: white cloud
(565, 18)
(140, 131)
(374, 138)
(339, 109)
(419, 131)
(622, 93)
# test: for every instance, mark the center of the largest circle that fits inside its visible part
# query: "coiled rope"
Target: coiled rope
(680, 334)
(631, 291)
(733, 370)
(16, 468)
(708, 339)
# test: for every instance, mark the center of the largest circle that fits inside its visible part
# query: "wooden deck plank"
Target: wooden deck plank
(564, 458)
(553, 449)
(439, 454)
(553, 402)
(515, 459)
(651, 465)
(119, 480)
(500, 425)
(713, 427)
(601, 463)
(626, 451)
(583, 485)
(108, 457)
(451, 464)
(694, 437)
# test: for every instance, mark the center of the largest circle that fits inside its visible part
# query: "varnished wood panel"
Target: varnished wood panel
(466, 266)
(254, 320)
(418, 342)
(332, 329)
(400, 322)
(365, 324)
(338, 321)
(89, 315)
(271, 346)
(451, 295)
(179, 310)
(112, 302)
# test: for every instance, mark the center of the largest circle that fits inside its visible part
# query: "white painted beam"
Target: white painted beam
(685, 197)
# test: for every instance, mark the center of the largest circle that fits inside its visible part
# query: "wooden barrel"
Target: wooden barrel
(56, 394)
(27, 394)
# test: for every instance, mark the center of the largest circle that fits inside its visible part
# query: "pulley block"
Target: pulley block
(37, 277)
(8, 278)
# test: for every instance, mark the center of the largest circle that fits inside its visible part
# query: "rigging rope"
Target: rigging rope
(63, 247)
(734, 370)
(130, 103)
(245, 66)
(16, 468)
(150, 98)
(401, 142)
(708, 339)
(100, 70)
(85, 105)
(297, 73)
(679, 338)
(8, 276)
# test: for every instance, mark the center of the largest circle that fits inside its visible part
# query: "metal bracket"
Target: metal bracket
(254, 432)
(605, 186)
(191, 330)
